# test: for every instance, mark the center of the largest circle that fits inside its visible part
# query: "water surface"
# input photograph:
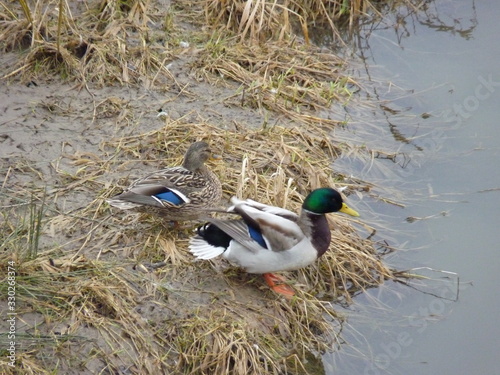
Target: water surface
(437, 119)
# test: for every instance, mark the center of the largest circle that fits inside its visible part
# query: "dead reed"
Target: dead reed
(102, 42)
(294, 80)
(263, 20)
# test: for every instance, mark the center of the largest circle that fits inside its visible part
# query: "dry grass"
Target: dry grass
(130, 42)
(262, 20)
(102, 42)
(290, 79)
(102, 289)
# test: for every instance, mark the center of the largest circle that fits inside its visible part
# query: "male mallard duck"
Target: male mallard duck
(175, 193)
(268, 239)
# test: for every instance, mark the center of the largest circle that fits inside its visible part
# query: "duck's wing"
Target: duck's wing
(178, 178)
(278, 226)
(151, 195)
(264, 208)
(170, 187)
(239, 232)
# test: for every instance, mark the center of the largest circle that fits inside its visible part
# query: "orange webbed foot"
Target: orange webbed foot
(278, 284)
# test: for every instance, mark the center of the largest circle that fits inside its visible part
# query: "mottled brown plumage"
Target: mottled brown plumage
(176, 193)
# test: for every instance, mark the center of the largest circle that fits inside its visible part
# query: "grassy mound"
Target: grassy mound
(125, 286)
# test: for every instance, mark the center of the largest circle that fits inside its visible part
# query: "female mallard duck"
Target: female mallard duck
(268, 239)
(175, 193)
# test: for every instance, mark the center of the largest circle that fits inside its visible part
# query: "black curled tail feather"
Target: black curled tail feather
(213, 235)
(200, 231)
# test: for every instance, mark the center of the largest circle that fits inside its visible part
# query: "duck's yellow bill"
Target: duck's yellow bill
(349, 211)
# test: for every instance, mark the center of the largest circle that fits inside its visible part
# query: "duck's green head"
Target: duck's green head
(324, 200)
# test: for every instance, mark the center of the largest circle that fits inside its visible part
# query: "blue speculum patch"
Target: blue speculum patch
(170, 197)
(257, 236)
